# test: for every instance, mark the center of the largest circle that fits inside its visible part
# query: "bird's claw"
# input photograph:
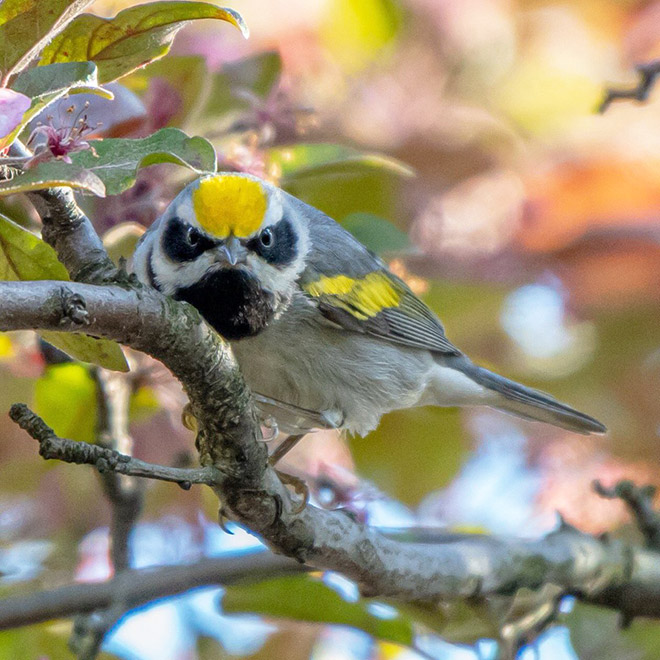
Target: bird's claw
(299, 487)
(223, 519)
(270, 429)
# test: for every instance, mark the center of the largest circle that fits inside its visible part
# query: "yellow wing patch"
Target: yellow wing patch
(227, 204)
(363, 298)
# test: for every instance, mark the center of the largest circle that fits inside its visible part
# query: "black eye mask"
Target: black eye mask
(282, 247)
(182, 243)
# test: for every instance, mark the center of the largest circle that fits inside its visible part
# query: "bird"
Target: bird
(325, 335)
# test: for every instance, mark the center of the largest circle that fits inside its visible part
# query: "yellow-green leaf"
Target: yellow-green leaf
(339, 180)
(26, 26)
(65, 396)
(121, 241)
(304, 598)
(133, 38)
(50, 174)
(24, 256)
(115, 160)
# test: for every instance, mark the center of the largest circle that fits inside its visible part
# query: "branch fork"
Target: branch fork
(235, 464)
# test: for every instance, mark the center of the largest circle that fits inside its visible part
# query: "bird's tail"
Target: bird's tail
(531, 404)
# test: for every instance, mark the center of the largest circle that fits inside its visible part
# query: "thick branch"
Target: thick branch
(648, 72)
(69, 231)
(602, 572)
(169, 331)
(138, 587)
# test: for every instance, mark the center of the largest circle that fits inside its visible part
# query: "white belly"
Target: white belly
(353, 379)
(347, 376)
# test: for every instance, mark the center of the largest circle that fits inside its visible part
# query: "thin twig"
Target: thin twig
(458, 565)
(639, 499)
(647, 72)
(70, 451)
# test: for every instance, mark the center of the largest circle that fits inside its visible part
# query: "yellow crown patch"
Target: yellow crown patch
(229, 204)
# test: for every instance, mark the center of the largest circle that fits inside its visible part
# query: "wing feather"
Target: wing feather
(380, 305)
(354, 290)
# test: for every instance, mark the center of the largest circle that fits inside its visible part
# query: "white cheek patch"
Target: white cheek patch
(171, 276)
(272, 279)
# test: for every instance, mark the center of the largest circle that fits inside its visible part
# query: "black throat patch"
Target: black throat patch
(232, 302)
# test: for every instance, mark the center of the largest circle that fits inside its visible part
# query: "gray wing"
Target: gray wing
(353, 289)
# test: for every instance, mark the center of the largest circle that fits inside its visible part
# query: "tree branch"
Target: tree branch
(138, 587)
(596, 570)
(69, 231)
(106, 461)
(640, 502)
(126, 497)
(647, 72)
(123, 491)
(607, 573)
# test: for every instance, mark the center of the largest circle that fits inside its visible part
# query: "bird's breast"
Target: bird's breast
(232, 301)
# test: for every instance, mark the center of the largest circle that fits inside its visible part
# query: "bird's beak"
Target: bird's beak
(231, 252)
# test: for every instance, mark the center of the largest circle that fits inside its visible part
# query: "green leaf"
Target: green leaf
(117, 159)
(458, 622)
(300, 160)
(133, 38)
(112, 166)
(304, 598)
(45, 85)
(65, 396)
(102, 352)
(44, 81)
(24, 256)
(340, 180)
(53, 173)
(356, 31)
(377, 234)
(26, 26)
(434, 436)
(44, 641)
(258, 73)
(596, 635)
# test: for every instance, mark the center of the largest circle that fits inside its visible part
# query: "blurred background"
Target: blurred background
(460, 140)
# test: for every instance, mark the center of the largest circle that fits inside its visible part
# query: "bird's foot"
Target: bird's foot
(269, 428)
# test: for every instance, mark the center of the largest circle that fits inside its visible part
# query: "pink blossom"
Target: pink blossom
(12, 108)
(61, 141)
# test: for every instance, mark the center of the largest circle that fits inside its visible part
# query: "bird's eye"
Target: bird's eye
(193, 237)
(266, 237)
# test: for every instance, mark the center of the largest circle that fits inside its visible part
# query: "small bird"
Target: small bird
(325, 335)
